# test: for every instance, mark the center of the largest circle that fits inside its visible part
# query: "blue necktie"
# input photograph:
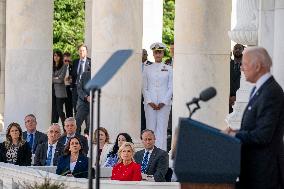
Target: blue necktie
(49, 156)
(251, 93)
(31, 141)
(145, 162)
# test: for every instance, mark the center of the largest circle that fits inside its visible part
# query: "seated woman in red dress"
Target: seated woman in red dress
(126, 169)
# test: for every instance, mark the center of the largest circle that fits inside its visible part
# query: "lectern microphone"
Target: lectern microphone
(205, 95)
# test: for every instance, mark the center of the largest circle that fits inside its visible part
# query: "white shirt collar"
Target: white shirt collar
(53, 145)
(262, 80)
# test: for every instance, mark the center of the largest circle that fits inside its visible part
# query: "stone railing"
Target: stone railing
(13, 176)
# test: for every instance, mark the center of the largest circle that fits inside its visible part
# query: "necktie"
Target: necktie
(145, 162)
(251, 93)
(49, 156)
(31, 141)
(67, 139)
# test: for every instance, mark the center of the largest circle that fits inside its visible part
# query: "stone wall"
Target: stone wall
(2, 59)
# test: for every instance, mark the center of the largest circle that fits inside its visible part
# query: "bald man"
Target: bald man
(262, 125)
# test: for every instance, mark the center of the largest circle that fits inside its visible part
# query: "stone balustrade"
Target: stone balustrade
(13, 176)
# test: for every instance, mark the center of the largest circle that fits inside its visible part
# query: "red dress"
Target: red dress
(130, 172)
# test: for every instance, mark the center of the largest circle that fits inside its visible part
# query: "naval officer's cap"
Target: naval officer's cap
(158, 46)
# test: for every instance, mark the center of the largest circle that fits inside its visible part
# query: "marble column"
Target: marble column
(278, 50)
(28, 68)
(2, 59)
(266, 25)
(246, 33)
(202, 49)
(152, 24)
(118, 25)
(88, 25)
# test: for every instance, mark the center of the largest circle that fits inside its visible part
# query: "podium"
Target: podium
(206, 158)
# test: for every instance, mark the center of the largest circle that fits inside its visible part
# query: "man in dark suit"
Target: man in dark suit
(48, 153)
(32, 136)
(79, 66)
(70, 128)
(83, 103)
(262, 125)
(235, 74)
(154, 161)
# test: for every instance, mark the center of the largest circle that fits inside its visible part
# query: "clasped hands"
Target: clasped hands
(156, 106)
(230, 131)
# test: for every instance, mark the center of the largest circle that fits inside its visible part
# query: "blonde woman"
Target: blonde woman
(126, 169)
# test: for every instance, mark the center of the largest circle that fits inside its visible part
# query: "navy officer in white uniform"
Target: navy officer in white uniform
(158, 92)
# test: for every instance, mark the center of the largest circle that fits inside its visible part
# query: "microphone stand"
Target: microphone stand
(194, 110)
(97, 170)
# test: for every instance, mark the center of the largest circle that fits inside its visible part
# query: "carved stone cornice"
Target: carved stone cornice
(246, 30)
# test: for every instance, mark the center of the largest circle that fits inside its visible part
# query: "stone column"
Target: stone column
(266, 25)
(88, 25)
(118, 25)
(2, 59)
(278, 50)
(152, 24)
(202, 49)
(246, 33)
(28, 68)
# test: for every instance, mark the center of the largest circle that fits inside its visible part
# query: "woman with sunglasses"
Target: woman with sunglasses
(15, 149)
(73, 163)
(58, 87)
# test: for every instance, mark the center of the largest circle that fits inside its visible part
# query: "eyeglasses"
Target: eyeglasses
(67, 61)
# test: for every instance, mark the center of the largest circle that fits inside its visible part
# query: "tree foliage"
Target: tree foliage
(168, 22)
(68, 25)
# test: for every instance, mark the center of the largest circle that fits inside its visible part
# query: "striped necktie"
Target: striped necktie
(49, 156)
(145, 162)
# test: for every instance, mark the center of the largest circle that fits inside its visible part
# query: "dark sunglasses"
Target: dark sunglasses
(67, 60)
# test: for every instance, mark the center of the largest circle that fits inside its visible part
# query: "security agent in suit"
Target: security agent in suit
(157, 92)
(79, 66)
(48, 153)
(83, 103)
(70, 128)
(32, 136)
(262, 125)
(156, 162)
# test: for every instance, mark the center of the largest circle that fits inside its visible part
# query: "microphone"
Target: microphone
(205, 95)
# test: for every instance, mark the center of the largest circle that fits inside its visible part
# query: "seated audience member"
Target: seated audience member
(73, 163)
(154, 161)
(104, 145)
(126, 169)
(70, 128)
(32, 136)
(14, 149)
(48, 153)
(112, 157)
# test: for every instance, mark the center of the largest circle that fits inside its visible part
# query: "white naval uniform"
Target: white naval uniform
(158, 88)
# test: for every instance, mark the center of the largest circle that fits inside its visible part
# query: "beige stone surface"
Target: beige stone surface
(2, 59)
(119, 26)
(202, 49)
(28, 66)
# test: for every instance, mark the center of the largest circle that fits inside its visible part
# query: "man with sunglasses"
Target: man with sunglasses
(157, 92)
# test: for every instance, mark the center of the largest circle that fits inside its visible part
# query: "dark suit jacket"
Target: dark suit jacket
(80, 170)
(24, 155)
(74, 70)
(39, 138)
(83, 140)
(261, 134)
(158, 163)
(41, 153)
(82, 92)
